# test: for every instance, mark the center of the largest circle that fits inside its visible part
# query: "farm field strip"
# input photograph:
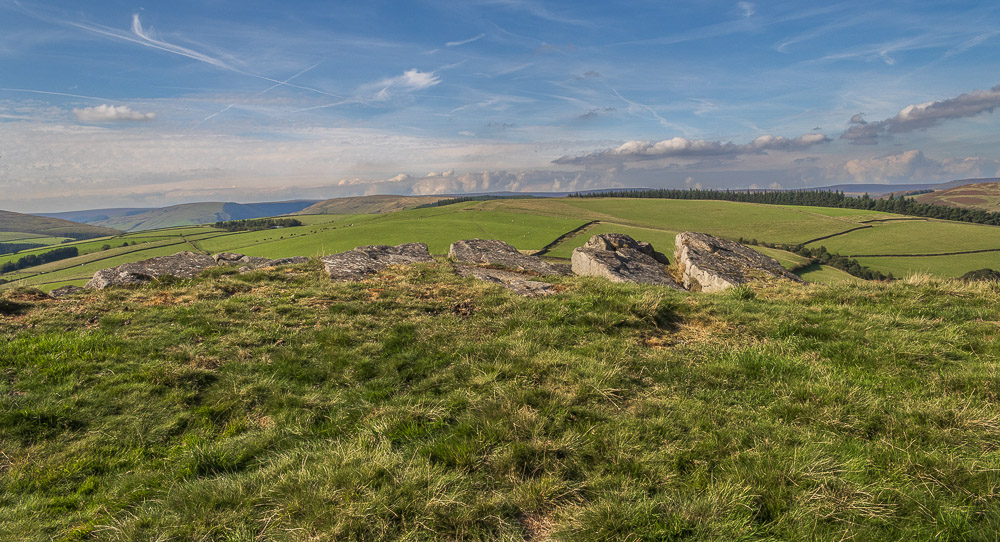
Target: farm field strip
(915, 238)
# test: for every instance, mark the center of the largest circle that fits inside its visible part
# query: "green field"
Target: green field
(417, 405)
(531, 224)
(915, 237)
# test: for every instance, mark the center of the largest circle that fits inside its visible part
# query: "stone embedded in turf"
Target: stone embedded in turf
(497, 253)
(710, 264)
(519, 283)
(249, 263)
(619, 258)
(65, 291)
(362, 261)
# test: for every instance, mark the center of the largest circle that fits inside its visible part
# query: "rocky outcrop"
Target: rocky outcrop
(519, 283)
(619, 258)
(358, 263)
(498, 262)
(495, 253)
(183, 265)
(710, 264)
(250, 263)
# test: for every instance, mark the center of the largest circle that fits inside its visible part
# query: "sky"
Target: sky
(121, 104)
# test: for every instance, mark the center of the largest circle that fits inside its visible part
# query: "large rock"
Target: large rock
(710, 264)
(619, 258)
(362, 261)
(493, 252)
(182, 264)
(249, 263)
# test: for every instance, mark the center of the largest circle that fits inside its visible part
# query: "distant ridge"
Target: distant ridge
(982, 195)
(52, 227)
(186, 214)
(368, 205)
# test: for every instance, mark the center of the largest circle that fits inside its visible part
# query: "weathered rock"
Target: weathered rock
(182, 265)
(710, 264)
(356, 264)
(249, 263)
(65, 291)
(519, 283)
(619, 258)
(496, 253)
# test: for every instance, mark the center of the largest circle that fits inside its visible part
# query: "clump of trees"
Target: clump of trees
(10, 248)
(820, 255)
(31, 260)
(818, 198)
(256, 224)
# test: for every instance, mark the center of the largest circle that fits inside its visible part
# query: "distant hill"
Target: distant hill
(368, 205)
(91, 216)
(186, 214)
(985, 196)
(883, 189)
(54, 227)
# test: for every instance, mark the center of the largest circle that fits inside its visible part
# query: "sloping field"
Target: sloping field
(534, 224)
(11, 222)
(368, 204)
(985, 196)
(418, 405)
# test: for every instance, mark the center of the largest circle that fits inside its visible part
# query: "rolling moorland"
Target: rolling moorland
(415, 404)
(885, 242)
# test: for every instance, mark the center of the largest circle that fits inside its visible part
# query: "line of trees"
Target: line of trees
(819, 198)
(820, 255)
(31, 260)
(256, 224)
(10, 248)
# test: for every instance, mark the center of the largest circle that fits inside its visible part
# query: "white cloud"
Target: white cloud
(914, 166)
(463, 42)
(111, 113)
(680, 147)
(748, 8)
(411, 80)
(925, 115)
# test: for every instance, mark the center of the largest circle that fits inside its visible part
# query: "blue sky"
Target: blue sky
(123, 104)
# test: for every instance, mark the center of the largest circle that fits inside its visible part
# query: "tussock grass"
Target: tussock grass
(419, 405)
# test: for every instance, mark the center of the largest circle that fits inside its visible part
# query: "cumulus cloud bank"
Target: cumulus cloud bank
(917, 116)
(913, 165)
(680, 147)
(111, 113)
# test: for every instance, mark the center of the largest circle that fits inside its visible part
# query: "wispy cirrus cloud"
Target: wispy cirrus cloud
(463, 42)
(925, 115)
(680, 147)
(111, 113)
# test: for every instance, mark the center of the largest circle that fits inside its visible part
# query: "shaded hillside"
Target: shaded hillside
(985, 196)
(55, 227)
(368, 205)
(189, 214)
(92, 216)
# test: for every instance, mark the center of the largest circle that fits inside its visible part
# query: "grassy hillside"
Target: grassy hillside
(14, 225)
(189, 214)
(418, 405)
(368, 204)
(557, 226)
(985, 196)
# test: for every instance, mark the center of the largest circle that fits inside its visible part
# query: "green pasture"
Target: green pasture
(941, 266)
(17, 237)
(914, 237)
(771, 223)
